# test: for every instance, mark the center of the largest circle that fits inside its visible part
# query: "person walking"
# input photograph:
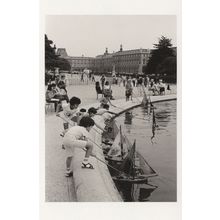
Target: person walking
(128, 90)
(102, 79)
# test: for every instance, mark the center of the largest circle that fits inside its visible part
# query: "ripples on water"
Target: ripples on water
(159, 150)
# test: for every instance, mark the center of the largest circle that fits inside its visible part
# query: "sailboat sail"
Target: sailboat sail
(135, 164)
(115, 150)
(145, 167)
(128, 163)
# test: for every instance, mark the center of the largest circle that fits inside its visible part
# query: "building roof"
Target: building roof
(77, 57)
(109, 55)
(125, 52)
(62, 52)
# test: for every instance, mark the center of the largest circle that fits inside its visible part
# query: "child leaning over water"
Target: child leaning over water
(70, 113)
(77, 137)
(91, 113)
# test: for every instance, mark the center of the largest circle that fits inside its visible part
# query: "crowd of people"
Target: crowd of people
(56, 91)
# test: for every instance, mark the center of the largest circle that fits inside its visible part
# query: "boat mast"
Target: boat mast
(121, 143)
(133, 159)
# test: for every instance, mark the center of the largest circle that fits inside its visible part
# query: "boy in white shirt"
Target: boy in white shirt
(77, 136)
(70, 113)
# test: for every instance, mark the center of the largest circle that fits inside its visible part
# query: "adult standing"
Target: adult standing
(93, 77)
(124, 80)
(119, 80)
(139, 85)
(128, 90)
(134, 81)
(102, 80)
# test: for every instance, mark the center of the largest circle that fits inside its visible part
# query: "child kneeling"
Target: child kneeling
(77, 136)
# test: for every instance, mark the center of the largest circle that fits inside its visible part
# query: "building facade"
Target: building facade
(131, 61)
(78, 63)
(121, 62)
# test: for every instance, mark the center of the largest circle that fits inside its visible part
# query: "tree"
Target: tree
(168, 69)
(52, 60)
(162, 59)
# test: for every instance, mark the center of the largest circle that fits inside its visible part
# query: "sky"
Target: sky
(89, 35)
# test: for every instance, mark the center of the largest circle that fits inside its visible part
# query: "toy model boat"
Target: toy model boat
(134, 168)
(131, 166)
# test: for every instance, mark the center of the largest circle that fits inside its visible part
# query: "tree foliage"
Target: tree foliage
(162, 59)
(51, 59)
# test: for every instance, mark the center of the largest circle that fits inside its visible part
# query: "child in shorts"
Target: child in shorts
(77, 137)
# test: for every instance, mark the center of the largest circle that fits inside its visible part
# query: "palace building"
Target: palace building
(77, 63)
(122, 61)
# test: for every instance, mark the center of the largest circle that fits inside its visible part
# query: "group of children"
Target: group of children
(77, 124)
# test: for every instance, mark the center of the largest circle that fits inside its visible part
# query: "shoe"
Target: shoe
(69, 173)
(87, 166)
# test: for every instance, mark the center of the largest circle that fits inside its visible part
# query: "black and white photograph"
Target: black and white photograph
(119, 119)
(110, 108)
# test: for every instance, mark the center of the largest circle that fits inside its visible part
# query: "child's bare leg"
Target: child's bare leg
(68, 162)
(89, 148)
(65, 127)
(86, 163)
(58, 108)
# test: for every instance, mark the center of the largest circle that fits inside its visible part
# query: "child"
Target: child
(82, 113)
(77, 136)
(103, 101)
(91, 113)
(105, 113)
(70, 113)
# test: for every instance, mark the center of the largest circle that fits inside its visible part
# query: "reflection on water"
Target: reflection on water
(135, 192)
(128, 118)
(155, 133)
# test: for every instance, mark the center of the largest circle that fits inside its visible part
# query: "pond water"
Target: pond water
(157, 144)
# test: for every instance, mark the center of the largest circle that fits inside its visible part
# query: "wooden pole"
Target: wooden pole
(133, 159)
(121, 143)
